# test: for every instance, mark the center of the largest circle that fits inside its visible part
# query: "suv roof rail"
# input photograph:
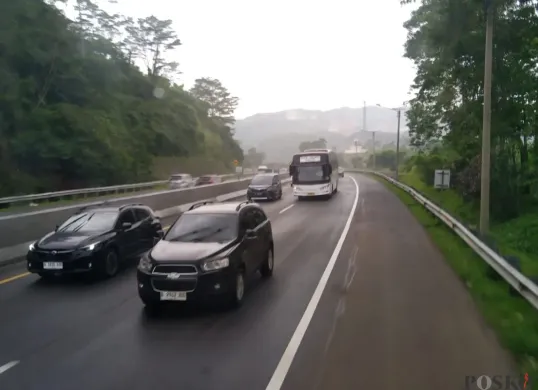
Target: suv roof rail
(196, 205)
(130, 205)
(242, 204)
(92, 205)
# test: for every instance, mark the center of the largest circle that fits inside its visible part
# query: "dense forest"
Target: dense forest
(78, 109)
(446, 43)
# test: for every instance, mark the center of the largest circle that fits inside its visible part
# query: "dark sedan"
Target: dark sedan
(96, 239)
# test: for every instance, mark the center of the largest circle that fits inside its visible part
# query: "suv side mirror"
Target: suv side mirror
(126, 225)
(250, 234)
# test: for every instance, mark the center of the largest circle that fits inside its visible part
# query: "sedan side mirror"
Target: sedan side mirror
(250, 234)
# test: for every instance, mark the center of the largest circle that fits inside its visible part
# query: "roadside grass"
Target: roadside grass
(513, 319)
(515, 238)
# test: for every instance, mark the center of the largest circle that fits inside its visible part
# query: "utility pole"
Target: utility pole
(373, 143)
(486, 122)
(398, 144)
(364, 116)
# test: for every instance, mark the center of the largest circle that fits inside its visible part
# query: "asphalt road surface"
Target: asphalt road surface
(390, 315)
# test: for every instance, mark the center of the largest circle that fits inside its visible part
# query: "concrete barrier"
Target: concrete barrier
(21, 228)
(15, 253)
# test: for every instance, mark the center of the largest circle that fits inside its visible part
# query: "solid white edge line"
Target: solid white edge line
(7, 366)
(286, 360)
(286, 208)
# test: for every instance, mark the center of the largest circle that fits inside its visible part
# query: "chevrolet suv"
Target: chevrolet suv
(208, 254)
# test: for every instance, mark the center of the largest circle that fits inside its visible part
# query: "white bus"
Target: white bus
(314, 172)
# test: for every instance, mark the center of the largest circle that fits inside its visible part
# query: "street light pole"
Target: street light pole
(364, 116)
(486, 123)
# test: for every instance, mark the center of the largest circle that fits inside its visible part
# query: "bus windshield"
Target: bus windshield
(307, 174)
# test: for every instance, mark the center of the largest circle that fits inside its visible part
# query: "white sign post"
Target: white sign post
(442, 179)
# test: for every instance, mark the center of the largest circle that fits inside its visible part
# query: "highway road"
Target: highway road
(360, 299)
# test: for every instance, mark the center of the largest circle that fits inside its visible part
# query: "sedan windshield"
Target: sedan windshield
(262, 180)
(89, 222)
(203, 228)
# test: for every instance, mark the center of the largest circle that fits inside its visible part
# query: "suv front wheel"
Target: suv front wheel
(267, 267)
(237, 293)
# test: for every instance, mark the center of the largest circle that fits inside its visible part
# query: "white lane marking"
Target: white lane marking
(7, 366)
(289, 354)
(286, 209)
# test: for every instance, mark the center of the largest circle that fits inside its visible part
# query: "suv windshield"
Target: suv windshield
(90, 221)
(262, 180)
(203, 228)
(176, 177)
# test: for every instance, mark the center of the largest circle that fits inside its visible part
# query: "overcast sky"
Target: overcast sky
(287, 54)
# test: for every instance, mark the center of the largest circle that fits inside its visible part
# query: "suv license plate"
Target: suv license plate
(173, 296)
(53, 265)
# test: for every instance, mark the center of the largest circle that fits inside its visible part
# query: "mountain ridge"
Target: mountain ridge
(279, 134)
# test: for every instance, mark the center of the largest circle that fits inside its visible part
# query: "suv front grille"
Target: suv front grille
(176, 268)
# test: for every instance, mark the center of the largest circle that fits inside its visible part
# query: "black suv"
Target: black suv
(265, 186)
(207, 255)
(95, 239)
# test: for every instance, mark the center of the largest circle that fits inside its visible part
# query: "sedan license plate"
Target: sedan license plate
(53, 265)
(310, 193)
(173, 296)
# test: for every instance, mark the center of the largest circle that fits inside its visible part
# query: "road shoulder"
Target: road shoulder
(395, 315)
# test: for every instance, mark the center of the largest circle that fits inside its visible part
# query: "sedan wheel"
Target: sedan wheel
(111, 264)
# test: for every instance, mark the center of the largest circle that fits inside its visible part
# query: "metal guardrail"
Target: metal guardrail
(87, 192)
(517, 280)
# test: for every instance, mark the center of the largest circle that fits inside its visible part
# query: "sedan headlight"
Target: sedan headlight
(215, 264)
(145, 264)
(32, 246)
(90, 247)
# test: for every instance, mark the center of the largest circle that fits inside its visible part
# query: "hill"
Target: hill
(279, 134)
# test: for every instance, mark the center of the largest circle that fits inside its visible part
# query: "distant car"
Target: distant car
(340, 171)
(264, 169)
(208, 179)
(265, 186)
(95, 239)
(207, 255)
(180, 180)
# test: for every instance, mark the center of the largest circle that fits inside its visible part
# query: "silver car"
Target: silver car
(180, 180)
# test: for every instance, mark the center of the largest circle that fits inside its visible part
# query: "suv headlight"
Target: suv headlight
(215, 264)
(145, 264)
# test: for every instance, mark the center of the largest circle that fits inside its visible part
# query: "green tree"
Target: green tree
(253, 158)
(74, 109)
(320, 143)
(221, 105)
(446, 43)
